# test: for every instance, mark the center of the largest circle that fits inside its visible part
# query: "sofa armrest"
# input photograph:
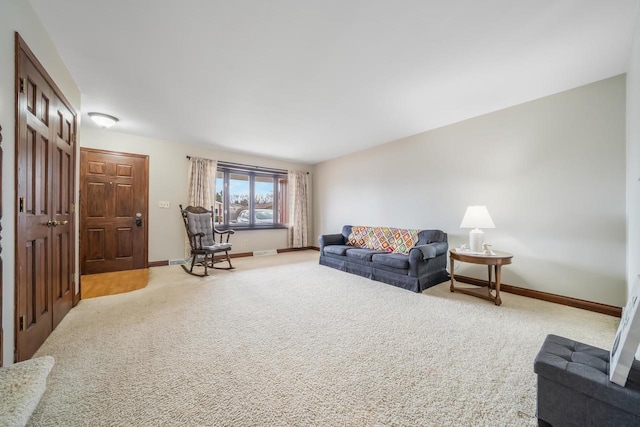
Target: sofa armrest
(429, 251)
(330, 239)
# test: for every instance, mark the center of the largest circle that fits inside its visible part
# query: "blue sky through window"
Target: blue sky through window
(236, 187)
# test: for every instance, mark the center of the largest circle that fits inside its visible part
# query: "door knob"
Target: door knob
(139, 219)
(52, 223)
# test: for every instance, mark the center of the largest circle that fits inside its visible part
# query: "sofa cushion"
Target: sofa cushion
(336, 249)
(362, 254)
(392, 260)
(397, 240)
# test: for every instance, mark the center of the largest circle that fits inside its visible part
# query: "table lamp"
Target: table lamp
(476, 217)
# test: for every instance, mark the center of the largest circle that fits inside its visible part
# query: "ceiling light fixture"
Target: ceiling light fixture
(103, 120)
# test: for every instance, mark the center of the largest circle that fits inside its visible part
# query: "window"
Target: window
(250, 197)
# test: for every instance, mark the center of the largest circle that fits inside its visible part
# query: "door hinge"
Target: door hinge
(73, 207)
(21, 204)
(21, 323)
(73, 278)
(73, 138)
(21, 84)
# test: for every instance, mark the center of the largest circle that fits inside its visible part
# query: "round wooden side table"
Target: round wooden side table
(492, 291)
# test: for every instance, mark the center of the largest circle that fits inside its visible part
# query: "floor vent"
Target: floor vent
(177, 262)
(265, 253)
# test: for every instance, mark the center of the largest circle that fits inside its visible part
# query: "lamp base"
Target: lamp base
(476, 239)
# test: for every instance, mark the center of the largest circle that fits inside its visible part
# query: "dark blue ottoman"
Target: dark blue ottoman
(574, 387)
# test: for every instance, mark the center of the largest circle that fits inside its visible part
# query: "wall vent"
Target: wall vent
(265, 253)
(177, 261)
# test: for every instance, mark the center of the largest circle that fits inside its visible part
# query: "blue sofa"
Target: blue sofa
(424, 266)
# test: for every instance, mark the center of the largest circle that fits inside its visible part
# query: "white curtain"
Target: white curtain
(202, 182)
(202, 187)
(298, 209)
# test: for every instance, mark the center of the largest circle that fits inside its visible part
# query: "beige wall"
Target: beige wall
(168, 168)
(633, 160)
(551, 172)
(17, 15)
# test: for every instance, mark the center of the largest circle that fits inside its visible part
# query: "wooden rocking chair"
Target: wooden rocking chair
(198, 223)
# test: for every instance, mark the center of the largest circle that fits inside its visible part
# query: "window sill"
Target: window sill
(235, 227)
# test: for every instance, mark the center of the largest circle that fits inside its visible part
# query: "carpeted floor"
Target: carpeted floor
(299, 344)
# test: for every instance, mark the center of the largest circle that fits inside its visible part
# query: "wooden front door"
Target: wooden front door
(113, 211)
(45, 169)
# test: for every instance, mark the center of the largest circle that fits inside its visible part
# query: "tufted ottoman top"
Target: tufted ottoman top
(585, 369)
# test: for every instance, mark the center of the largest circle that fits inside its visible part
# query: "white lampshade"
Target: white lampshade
(477, 217)
(103, 120)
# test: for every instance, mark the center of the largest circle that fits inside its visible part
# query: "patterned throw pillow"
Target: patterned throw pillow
(396, 240)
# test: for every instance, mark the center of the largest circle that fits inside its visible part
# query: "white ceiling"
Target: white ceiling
(308, 81)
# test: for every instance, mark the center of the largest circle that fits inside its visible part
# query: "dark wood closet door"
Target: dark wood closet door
(113, 192)
(34, 314)
(45, 172)
(63, 198)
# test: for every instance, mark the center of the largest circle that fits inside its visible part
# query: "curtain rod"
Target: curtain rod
(243, 166)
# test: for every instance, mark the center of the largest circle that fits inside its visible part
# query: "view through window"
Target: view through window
(250, 198)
